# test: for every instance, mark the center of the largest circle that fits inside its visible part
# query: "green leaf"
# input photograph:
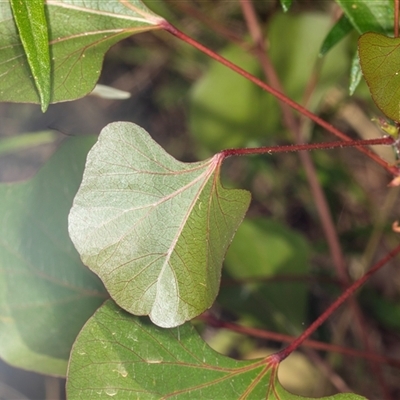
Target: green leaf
(341, 29)
(121, 356)
(286, 5)
(154, 229)
(80, 32)
(367, 15)
(260, 250)
(31, 22)
(379, 59)
(46, 293)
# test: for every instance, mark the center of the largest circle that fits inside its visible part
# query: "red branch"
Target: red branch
(307, 146)
(314, 344)
(330, 128)
(334, 306)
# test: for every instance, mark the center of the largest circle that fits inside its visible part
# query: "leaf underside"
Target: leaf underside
(80, 32)
(154, 229)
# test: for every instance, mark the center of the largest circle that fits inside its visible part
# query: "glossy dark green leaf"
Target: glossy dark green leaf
(286, 5)
(80, 33)
(32, 27)
(154, 229)
(46, 293)
(340, 30)
(367, 15)
(380, 60)
(121, 356)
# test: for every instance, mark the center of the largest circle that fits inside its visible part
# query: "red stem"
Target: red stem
(334, 306)
(314, 344)
(302, 147)
(180, 35)
(396, 18)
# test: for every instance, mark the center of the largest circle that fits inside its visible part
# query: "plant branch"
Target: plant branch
(334, 306)
(295, 127)
(396, 18)
(330, 128)
(211, 320)
(304, 147)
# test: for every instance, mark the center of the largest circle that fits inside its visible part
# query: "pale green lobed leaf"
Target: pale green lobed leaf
(154, 229)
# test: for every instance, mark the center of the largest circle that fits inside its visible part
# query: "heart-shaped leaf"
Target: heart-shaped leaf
(121, 356)
(46, 293)
(154, 229)
(380, 60)
(80, 32)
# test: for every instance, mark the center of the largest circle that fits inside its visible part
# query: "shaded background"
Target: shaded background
(194, 108)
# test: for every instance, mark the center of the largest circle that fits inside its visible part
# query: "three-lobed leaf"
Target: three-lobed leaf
(46, 293)
(154, 229)
(80, 32)
(380, 59)
(123, 356)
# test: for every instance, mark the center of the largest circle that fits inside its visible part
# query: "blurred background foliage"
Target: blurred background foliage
(278, 273)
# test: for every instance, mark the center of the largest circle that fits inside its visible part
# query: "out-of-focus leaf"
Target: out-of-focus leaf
(366, 15)
(259, 251)
(229, 111)
(31, 21)
(47, 294)
(380, 60)
(154, 229)
(80, 33)
(23, 141)
(121, 356)
(108, 92)
(286, 5)
(387, 312)
(341, 29)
